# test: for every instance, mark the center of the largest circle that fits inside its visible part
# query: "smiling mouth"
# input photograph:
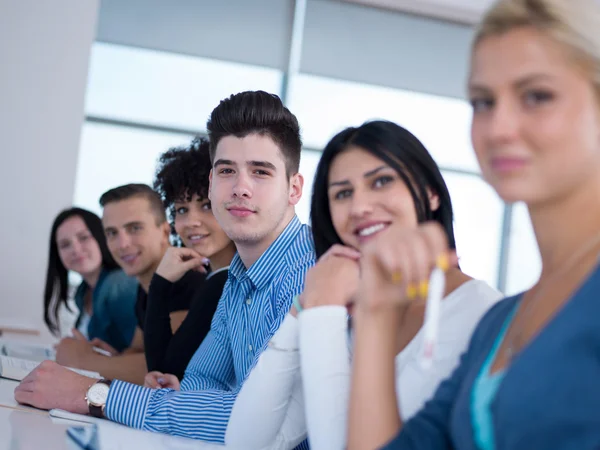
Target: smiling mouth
(195, 238)
(371, 230)
(128, 259)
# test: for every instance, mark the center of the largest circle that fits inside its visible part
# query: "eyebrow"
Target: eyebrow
(228, 162)
(519, 84)
(131, 224)
(264, 164)
(223, 162)
(368, 174)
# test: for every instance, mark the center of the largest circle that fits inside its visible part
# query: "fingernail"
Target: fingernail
(206, 261)
(442, 262)
(411, 291)
(161, 380)
(423, 288)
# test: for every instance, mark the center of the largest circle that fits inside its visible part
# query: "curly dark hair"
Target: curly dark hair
(181, 173)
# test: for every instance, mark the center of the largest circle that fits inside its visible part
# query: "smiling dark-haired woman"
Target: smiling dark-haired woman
(369, 179)
(105, 297)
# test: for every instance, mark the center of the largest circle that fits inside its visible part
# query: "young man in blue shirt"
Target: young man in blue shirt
(255, 185)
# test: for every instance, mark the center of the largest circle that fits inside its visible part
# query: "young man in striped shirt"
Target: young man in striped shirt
(255, 185)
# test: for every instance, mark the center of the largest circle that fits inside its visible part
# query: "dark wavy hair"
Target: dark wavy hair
(181, 173)
(57, 283)
(257, 112)
(402, 151)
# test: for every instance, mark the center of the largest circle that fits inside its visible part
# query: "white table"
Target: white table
(25, 428)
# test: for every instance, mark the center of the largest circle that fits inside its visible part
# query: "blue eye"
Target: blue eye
(481, 104)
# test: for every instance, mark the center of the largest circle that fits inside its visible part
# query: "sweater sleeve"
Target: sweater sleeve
(170, 352)
(325, 363)
(269, 410)
(157, 327)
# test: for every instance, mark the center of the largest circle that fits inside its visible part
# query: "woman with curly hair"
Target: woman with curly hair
(182, 180)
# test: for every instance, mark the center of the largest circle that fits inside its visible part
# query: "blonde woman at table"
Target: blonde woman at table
(530, 376)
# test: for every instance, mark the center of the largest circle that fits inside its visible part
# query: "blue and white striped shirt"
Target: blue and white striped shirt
(254, 303)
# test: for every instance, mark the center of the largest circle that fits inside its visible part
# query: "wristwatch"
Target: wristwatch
(96, 397)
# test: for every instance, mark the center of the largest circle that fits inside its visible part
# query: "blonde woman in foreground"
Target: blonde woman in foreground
(530, 378)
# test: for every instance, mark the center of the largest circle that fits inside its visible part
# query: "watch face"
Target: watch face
(98, 394)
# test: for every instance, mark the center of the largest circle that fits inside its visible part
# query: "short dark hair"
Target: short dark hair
(133, 190)
(183, 172)
(257, 112)
(57, 283)
(401, 150)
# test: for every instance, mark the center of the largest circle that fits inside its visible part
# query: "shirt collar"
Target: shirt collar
(262, 270)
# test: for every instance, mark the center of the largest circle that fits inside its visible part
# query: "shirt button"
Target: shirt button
(250, 347)
(248, 301)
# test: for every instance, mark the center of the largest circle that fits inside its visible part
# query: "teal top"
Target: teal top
(113, 308)
(483, 393)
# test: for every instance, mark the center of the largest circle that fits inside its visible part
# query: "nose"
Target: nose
(504, 123)
(193, 219)
(361, 205)
(123, 241)
(242, 186)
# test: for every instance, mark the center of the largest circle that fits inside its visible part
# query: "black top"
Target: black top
(168, 352)
(179, 299)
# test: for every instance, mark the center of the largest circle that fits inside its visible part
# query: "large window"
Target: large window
(524, 264)
(110, 156)
(477, 225)
(325, 106)
(165, 89)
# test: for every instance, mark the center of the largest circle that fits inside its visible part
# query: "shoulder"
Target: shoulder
(301, 253)
(472, 298)
(119, 286)
(191, 278)
(492, 321)
(218, 280)
(118, 277)
(463, 310)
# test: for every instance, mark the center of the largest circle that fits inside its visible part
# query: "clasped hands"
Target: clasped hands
(391, 270)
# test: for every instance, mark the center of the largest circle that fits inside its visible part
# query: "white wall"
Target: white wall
(44, 54)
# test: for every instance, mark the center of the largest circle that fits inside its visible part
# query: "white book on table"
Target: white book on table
(29, 352)
(17, 369)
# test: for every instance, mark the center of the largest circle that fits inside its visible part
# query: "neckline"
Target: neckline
(222, 269)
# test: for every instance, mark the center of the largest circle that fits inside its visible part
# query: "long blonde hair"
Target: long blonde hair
(575, 24)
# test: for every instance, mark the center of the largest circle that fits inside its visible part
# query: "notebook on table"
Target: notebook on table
(17, 369)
